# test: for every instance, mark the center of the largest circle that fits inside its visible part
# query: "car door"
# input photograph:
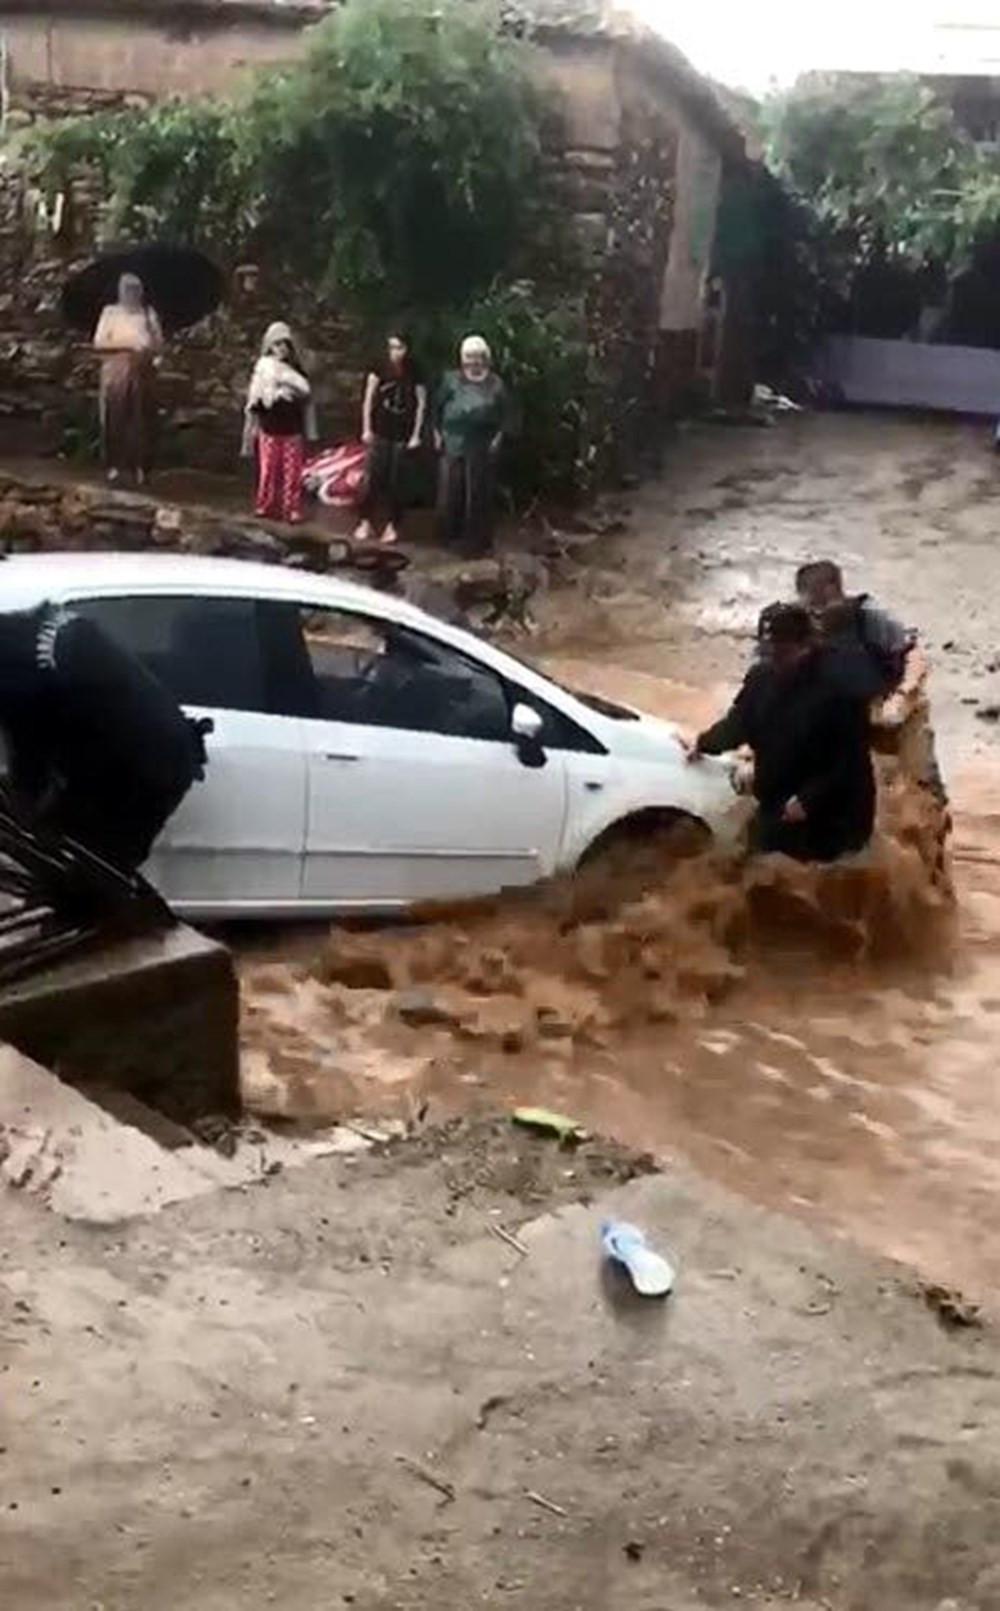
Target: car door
(416, 790)
(237, 842)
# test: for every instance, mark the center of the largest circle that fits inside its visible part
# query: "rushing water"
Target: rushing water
(822, 1040)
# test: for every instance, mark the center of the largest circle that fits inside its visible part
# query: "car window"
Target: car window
(207, 651)
(559, 732)
(379, 674)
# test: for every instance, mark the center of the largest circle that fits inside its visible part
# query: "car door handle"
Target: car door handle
(336, 755)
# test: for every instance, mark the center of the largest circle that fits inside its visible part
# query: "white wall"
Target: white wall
(699, 175)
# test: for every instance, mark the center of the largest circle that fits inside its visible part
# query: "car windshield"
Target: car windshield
(603, 707)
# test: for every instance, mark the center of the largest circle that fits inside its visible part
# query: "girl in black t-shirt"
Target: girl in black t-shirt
(392, 425)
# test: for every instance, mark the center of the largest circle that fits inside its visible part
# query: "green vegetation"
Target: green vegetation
(885, 168)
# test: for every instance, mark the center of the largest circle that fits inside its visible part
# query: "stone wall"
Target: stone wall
(174, 47)
(48, 378)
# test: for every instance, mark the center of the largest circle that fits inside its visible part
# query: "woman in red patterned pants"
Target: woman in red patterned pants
(279, 417)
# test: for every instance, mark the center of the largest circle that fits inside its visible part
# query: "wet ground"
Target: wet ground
(341, 1388)
(858, 1091)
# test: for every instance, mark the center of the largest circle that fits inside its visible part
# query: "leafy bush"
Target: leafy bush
(176, 172)
(540, 350)
(396, 164)
(885, 168)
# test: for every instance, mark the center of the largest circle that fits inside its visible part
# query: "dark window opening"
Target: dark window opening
(207, 651)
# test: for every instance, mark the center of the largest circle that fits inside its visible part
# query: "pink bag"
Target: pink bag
(337, 475)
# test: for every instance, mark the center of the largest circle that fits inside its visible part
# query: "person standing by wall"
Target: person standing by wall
(128, 340)
(279, 419)
(470, 420)
(392, 427)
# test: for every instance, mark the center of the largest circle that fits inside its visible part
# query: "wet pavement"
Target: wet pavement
(861, 1092)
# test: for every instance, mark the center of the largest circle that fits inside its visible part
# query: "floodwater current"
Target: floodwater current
(821, 1041)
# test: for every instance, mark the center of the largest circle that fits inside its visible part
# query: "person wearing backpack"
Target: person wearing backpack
(812, 771)
(872, 655)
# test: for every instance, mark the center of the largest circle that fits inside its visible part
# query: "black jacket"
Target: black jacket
(810, 742)
(100, 750)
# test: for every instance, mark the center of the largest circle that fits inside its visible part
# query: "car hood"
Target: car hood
(707, 791)
(648, 738)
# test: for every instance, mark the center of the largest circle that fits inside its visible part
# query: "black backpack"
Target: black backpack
(100, 749)
(861, 667)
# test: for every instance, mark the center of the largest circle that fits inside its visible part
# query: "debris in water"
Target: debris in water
(496, 1401)
(951, 1308)
(440, 1484)
(649, 1272)
(511, 1241)
(545, 1504)
(566, 1130)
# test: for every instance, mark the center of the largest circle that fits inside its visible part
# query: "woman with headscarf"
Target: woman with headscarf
(392, 426)
(470, 419)
(128, 340)
(278, 420)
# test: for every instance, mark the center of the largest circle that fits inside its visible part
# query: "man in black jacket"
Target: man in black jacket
(813, 776)
(99, 750)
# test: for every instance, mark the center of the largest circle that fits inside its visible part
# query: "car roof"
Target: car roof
(30, 579)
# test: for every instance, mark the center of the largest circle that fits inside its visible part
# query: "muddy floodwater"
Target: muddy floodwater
(826, 1045)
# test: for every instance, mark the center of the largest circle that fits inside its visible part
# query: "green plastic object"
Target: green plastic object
(546, 1122)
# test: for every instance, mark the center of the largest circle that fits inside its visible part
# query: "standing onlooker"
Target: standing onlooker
(470, 418)
(392, 425)
(279, 420)
(128, 339)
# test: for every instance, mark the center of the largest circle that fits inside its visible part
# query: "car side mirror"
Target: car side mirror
(526, 726)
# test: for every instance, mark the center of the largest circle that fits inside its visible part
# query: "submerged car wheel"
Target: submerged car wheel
(657, 835)
(635, 856)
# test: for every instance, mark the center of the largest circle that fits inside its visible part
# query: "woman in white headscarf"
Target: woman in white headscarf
(128, 340)
(279, 419)
(470, 420)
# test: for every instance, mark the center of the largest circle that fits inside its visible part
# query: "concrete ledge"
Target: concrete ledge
(157, 1017)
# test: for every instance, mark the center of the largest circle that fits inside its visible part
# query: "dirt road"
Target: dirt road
(271, 1400)
(339, 1387)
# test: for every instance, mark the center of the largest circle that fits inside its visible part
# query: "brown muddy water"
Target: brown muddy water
(824, 1045)
(821, 1040)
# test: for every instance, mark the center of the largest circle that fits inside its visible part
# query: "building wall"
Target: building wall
(699, 175)
(149, 55)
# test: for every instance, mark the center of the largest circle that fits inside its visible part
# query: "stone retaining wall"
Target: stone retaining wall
(48, 376)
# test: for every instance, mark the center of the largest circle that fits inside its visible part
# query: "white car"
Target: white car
(365, 756)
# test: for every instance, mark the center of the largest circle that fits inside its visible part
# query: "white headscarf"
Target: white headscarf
(275, 379)
(274, 336)
(475, 347)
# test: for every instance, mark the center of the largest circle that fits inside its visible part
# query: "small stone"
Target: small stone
(355, 970)
(553, 1024)
(420, 1008)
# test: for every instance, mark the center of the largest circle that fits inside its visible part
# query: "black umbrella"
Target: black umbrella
(181, 284)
